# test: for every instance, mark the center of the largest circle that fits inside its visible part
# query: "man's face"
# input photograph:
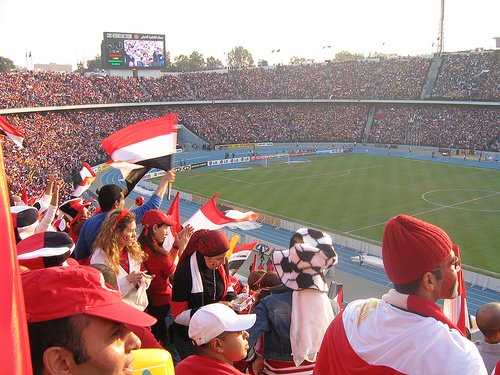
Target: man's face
(107, 345)
(235, 345)
(448, 285)
(121, 202)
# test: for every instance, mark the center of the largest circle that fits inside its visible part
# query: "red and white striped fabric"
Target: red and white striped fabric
(45, 249)
(82, 180)
(210, 217)
(10, 131)
(141, 146)
(287, 368)
(383, 337)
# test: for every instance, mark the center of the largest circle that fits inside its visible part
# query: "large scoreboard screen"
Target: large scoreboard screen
(128, 50)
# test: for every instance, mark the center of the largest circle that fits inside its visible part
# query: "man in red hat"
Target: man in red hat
(405, 332)
(77, 325)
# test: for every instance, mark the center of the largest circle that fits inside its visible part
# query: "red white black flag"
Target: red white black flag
(142, 146)
(10, 131)
(210, 217)
(82, 180)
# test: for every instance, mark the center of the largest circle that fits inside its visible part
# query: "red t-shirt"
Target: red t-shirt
(199, 365)
(161, 266)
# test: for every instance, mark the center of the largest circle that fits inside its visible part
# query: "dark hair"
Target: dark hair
(148, 239)
(64, 332)
(413, 286)
(107, 196)
(269, 280)
(296, 238)
(253, 278)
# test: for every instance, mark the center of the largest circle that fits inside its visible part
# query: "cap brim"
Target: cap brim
(169, 222)
(241, 323)
(122, 313)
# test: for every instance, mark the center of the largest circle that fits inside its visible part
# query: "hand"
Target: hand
(170, 176)
(182, 238)
(134, 277)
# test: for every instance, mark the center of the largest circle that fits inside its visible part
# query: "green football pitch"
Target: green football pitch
(354, 195)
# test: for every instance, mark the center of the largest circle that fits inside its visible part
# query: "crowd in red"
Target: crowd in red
(63, 140)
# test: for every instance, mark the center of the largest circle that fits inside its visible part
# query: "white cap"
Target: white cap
(211, 320)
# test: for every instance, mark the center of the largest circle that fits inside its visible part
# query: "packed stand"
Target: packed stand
(469, 76)
(469, 128)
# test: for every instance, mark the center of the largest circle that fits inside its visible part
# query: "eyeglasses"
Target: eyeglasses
(455, 263)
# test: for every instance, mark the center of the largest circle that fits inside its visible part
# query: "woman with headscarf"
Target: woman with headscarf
(294, 318)
(116, 246)
(201, 278)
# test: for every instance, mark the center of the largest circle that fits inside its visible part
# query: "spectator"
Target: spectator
(488, 322)
(76, 324)
(294, 318)
(201, 278)
(161, 264)
(220, 337)
(405, 332)
(116, 246)
(112, 197)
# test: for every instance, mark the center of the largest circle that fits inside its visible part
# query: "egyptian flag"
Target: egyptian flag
(210, 217)
(174, 212)
(142, 146)
(45, 249)
(10, 131)
(82, 180)
(15, 353)
(456, 309)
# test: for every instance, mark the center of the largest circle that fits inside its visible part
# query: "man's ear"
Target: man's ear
(217, 346)
(428, 282)
(58, 361)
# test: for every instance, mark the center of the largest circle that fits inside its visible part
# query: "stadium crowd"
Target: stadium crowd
(466, 76)
(192, 293)
(54, 138)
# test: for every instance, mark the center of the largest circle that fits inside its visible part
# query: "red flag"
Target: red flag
(245, 246)
(24, 195)
(141, 146)
(10, 131)
(174, 212)
(456, 309)
(15, 353)
(210, 217)
(82, 180)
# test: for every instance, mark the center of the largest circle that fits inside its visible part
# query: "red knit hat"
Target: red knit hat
(412, 247)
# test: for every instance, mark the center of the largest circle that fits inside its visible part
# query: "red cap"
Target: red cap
(153, 217)
(59, 292)
(412, 247)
